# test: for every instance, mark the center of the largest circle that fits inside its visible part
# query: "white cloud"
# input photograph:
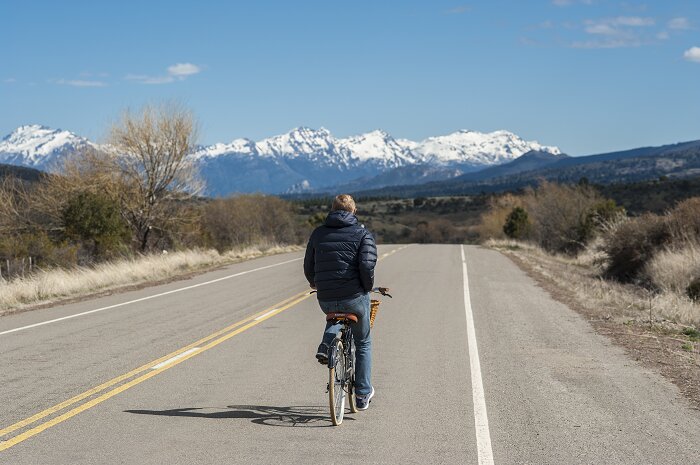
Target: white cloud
(602, 29)
(571, 2)
(9, 80)
(679, 23)
(608, 43)
(176, 72)
(621, 31)
(183, 69)
(692, 54)
(81, 83)
(616, 26)
(143, 79)
(663, 35)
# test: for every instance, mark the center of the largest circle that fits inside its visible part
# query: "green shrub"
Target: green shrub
(44, 252)
(95, 220)
(693, 290)
(632, 244)
(517, 224)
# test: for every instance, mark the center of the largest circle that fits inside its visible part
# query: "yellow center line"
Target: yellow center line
(227, 332)
(119, 379)
(81, 408)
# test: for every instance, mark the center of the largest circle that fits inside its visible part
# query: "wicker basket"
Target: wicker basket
(374, 308)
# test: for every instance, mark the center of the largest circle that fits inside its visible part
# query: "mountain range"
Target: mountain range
(308, 161)
(305, 159)
(675, 161)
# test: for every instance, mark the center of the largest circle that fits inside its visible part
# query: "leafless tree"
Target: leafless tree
(87, 170)
(152, 149)
(13, 205)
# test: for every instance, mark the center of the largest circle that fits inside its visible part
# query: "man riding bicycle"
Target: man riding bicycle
(339, 263)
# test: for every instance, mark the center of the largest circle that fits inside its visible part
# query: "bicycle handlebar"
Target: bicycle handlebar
(377, 290)
(382, 291)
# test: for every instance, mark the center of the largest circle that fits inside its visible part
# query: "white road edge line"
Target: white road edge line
(147, 298)
(172, 359)
(481, 420)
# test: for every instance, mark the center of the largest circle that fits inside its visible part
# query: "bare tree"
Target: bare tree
(87, 170)
(152, 148)
(13, 205)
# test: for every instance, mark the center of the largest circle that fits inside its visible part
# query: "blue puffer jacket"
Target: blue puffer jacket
(340, 258)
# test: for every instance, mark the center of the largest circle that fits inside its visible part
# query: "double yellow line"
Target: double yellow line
(201, 345)
(178, 357)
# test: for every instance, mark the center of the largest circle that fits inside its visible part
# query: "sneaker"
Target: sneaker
(322, 354)
(362, 402)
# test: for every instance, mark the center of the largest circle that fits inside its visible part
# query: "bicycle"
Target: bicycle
(341, 362)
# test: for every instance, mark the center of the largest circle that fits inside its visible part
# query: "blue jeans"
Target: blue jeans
(360, 332)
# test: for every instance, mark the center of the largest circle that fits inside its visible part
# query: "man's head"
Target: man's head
(344, 202)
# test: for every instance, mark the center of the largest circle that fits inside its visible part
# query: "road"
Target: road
(220, 368)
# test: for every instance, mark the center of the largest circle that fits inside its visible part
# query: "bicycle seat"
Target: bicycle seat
(341, 316)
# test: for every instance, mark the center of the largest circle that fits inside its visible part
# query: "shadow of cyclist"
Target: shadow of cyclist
(293, 416)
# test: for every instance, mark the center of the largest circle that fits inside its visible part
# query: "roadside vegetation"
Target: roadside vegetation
(46, 286)
(635, 278)
(107, 219)
(642, 270)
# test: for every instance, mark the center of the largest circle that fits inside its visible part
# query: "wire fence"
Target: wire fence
(16, 267)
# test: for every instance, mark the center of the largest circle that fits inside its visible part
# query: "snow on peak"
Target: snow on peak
(298, 141)
(239, 146)
(377, 146)
(35, 145)
(477, 148)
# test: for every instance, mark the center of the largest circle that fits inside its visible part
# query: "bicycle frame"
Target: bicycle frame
(345, 336)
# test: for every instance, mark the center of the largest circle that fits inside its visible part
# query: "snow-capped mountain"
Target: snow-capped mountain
(38, 146)
(305, 159)
(494, 148)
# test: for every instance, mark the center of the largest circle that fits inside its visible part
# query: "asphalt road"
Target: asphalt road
(220, 368)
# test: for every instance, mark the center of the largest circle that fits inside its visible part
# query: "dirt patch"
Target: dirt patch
(655, 342)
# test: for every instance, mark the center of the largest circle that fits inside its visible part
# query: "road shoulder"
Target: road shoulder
(654, 343)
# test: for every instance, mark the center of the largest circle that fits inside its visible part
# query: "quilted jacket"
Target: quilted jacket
(340, 258)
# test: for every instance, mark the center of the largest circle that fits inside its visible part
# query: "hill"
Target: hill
(20, 172)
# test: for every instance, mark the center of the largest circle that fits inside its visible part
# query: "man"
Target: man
(339, 264)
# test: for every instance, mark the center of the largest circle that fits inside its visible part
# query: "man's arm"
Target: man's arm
(309, 263)
(368, 260)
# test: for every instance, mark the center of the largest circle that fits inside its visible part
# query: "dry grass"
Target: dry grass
(602, 298)
(59, 284)
(673, 270)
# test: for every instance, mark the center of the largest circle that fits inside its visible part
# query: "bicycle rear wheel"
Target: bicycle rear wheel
(336, 383)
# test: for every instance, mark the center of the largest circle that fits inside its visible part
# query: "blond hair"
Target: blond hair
(344, 202)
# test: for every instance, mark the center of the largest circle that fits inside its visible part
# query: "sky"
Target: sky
(589, 76)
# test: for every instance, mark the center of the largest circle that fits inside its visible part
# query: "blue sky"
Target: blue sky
(587, 75)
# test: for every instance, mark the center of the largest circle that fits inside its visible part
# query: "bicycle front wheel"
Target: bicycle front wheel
(352, 398)
(336, 383)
